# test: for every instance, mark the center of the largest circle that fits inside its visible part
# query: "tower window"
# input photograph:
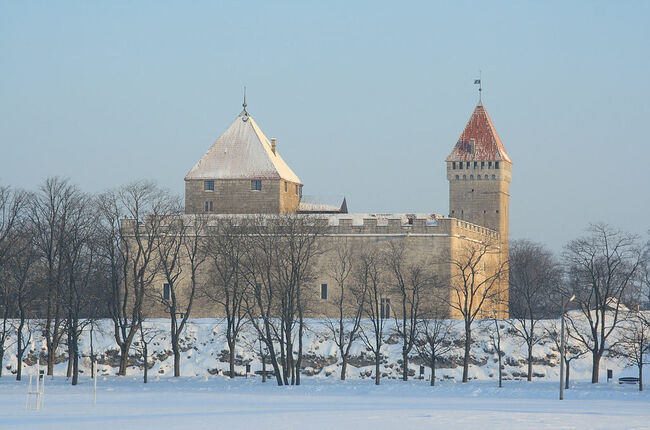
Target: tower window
(285, 186)
(207, 206)
(385, 308)
(211, 207)
(460, 166)
(256, 185)
(476, 164)
(486, 177)
(482, 164)
(323, 291)
(464, 177)
(489, 164)
(457, 177)
(494, 176)
(478, 177)
(471, 178)
(296, 189)
(467, 165)
(496, 164)
(165, 291)
(208, 185)
(453, 165)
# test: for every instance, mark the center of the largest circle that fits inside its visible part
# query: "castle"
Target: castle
(242, 174)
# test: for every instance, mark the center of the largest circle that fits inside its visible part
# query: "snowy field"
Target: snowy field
(216, 402)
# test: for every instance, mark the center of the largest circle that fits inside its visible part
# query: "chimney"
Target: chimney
(274, 145)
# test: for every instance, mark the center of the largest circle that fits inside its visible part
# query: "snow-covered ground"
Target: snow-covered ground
(204, 398)
(215, 402)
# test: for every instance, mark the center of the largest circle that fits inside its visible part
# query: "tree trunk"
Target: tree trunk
(344, 367)
(641, 377)
(75, 361)
(145, 352)
(263, 369)
(2, 356)
(19, 352)
(530, 361)
(500, 370)
(231, 358)
(377, 375)
(124, 359)
(433, 372)
(70, 354)
(177, 362)
(595, 367)
(405, 362)
(566, 379)
(468, 344)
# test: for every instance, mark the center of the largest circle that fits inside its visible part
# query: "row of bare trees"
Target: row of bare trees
(68, 258)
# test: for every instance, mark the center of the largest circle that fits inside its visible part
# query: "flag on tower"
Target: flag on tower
(477, 82)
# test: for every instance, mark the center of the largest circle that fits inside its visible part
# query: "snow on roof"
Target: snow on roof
(322, 204)
(242, 152)
(486, 142)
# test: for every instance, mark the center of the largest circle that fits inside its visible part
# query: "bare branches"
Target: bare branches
(602, 267)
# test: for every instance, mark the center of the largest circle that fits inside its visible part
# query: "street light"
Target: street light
(562, 347)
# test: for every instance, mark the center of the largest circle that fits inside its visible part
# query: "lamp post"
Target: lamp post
(562, 347)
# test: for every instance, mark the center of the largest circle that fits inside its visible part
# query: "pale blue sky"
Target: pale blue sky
(366, 99)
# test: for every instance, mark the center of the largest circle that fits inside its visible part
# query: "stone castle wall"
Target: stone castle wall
(235, 196)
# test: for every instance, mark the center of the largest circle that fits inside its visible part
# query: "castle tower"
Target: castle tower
(242, 173)
(478, 171)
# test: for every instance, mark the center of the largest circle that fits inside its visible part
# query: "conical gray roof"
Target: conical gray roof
(242, 152)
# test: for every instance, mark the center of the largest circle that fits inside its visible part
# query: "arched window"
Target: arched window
(471, 177)
(457, 177)
(464, 177)
(478, 177)
(494, 176)
(486, 177)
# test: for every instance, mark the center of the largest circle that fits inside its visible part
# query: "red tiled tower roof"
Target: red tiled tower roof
(487, 145)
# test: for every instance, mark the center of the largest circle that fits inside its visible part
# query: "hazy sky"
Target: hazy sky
(365, 99)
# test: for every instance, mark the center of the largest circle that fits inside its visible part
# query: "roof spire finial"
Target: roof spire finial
(480, 86)
(244, 104)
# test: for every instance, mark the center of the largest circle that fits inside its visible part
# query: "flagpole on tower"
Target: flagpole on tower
(480, 86)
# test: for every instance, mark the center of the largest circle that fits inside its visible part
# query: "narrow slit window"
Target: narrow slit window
(166, 292)
(323, 291)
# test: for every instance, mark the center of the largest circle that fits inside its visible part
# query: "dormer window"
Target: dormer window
(489, 164)
(256, 185)
(496, 164)
(208, 185)
(482, 164)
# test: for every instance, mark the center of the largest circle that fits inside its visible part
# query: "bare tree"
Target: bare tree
(350, 301)
(634, 342)
(410, 279)
(573, 349)
(79, 255)
(21, 278)
(474, 286)
(368, 274)
(495, 338)
(278, 270)
(262, 305)
(50, 214)
(226, 250)
(180, 241)
(435, 340)
(534, 276)
(602, 265)
(130, 223)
